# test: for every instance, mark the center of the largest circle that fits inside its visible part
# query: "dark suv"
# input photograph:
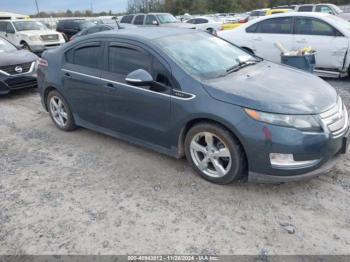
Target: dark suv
(228, 111)
(71, 27)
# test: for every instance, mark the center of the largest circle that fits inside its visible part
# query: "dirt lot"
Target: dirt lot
(86, 193)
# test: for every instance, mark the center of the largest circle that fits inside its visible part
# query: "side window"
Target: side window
(191, 21)
(69, 25)
(127, 19)
(281, 25)
(139, 20)
(201, 21)
(324, 9)
(123, 60)
(10, 28)
(104, 28)
(3, 26)
(308, 26)
(85, 55)
(305, 8)
(252, 28)
(150, 19)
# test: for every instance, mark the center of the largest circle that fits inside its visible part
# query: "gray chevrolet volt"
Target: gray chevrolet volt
(187, 93)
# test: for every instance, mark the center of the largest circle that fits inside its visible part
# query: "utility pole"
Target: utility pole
(37, 7)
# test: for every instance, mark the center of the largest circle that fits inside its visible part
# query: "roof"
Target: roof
(308, 14)
(149, 33)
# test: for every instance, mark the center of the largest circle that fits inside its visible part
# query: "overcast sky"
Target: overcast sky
(28, 6)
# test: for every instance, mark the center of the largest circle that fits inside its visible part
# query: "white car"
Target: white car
(329, 35)
(29, 34)
(206, 24)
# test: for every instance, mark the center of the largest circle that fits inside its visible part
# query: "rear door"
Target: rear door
(139, 112)
(82, 82)
(267, 32)
(331, 46)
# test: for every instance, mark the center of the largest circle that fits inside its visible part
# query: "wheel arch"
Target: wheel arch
(46, 94)
(191, 123)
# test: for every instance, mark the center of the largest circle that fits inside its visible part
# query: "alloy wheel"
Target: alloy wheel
(58, 111)
(210, 154)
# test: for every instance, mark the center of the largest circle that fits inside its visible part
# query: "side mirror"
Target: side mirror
(154, 22)
(139, 77)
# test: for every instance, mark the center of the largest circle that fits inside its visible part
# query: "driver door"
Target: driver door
(139, 112)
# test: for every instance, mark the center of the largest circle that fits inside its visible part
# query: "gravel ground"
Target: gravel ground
(86, 193)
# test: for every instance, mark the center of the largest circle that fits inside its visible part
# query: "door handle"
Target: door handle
(110, 85)
(257, 39)
(67, 75)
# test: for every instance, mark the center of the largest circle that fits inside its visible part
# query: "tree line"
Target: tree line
(177, 7)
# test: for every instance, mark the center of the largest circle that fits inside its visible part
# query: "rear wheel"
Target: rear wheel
(60, 112)
(214, 153)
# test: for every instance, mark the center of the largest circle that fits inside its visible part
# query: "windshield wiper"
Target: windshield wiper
(241, 65)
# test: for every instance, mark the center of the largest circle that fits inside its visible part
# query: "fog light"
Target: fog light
(286, 161)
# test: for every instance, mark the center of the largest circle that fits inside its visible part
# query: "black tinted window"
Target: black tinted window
(124, 60)
(127, 19)
(306, 8)
(201, 21)
(150, 19)
(70, 24)
(139, 20)
(3, 26)
(309, 26)
(252, 28)
(87, 55)
(281, 25)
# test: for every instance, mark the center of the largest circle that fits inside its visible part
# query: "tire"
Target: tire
(62, 116)
(224, 152)
(210, 31)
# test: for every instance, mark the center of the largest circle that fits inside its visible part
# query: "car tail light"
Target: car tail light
(43, 62)
(242, 21)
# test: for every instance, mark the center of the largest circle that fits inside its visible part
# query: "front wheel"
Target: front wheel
(214, 153)
(60, 112)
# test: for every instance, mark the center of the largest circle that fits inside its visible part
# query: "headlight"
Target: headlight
(34, 38)
(301, 122)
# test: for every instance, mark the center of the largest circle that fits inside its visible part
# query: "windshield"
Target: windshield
(337, 9)
(166, 19)
(6, 46)
(209, 57)
(29, 25)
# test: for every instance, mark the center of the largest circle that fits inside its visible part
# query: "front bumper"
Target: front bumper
(16, 82)
(261, 139)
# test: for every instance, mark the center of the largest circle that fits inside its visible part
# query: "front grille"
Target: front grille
(336, 119)
(16, 69)
(21, 82)
(49, 37)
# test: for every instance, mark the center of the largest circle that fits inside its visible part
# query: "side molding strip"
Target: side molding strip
(176, 94)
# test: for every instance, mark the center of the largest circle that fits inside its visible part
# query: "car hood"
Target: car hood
(274, 88)
(16, 57)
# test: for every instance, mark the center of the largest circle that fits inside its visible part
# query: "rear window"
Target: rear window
(281, 25)
(127, 19)
(306, 8)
